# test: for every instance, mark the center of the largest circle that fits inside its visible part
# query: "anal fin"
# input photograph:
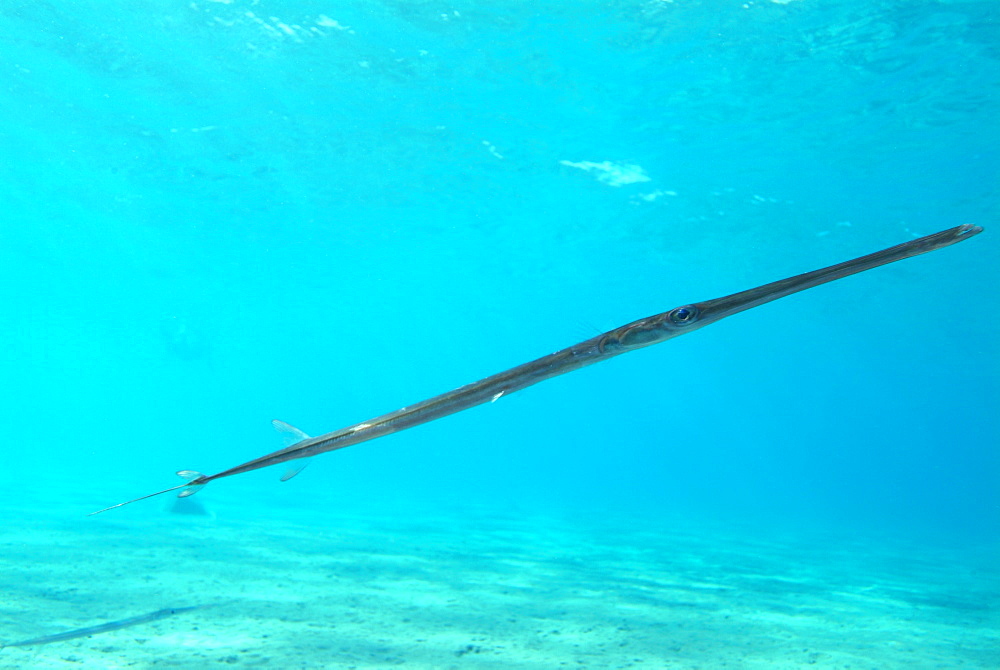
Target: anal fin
(292, 437)
(296, 469)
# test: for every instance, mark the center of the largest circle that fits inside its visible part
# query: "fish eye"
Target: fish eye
(683, 315)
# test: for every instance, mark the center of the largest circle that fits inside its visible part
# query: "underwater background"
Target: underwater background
(222, 212)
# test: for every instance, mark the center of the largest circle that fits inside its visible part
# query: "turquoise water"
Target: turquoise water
(218, 213)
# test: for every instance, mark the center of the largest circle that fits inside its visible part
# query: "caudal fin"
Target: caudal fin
(191, 486)
(193, 476)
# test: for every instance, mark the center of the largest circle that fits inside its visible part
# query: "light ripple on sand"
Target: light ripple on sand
(477, 591)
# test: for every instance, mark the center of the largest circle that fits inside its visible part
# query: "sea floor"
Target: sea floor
(484, 590)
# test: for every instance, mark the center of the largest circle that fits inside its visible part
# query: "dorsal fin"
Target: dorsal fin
(291, 434)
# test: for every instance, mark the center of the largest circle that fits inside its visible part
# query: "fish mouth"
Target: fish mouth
(719, 308)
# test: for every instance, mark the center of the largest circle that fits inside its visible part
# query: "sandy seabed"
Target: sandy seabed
(482, 590)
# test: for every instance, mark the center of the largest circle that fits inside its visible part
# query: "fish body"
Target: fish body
(635, 335)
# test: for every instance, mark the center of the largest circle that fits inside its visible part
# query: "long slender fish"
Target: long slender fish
(631, 336)
(104, 627)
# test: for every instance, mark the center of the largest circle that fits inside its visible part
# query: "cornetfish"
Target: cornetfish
(104, 627)
(631, 336)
